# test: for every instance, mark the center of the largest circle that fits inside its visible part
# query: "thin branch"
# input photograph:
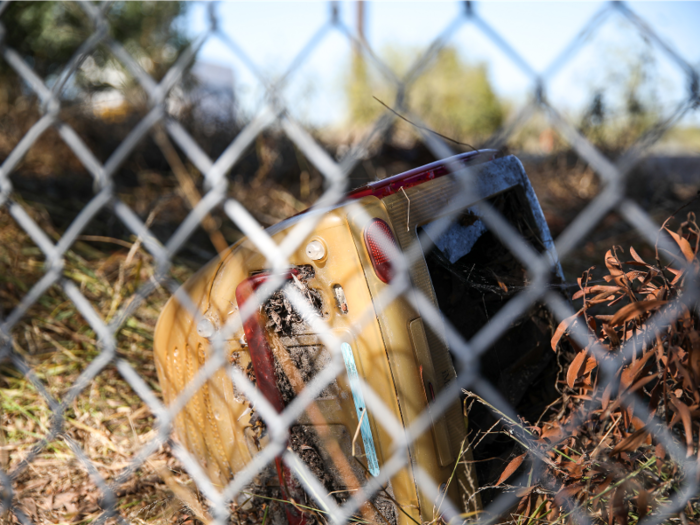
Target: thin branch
(423, 127)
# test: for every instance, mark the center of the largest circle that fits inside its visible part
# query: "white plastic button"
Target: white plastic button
(315, 250)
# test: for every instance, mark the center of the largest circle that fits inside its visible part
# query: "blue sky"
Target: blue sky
(272, 33)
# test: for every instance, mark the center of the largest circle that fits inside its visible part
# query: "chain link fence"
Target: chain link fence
(215, 502)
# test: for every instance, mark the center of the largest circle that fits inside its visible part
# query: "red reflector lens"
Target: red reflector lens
(378, 237)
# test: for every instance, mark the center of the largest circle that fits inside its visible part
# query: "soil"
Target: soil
(305, 442)
(287, 325)
(283, 319)
(309, 357)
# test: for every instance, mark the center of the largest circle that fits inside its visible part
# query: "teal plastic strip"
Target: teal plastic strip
(360, 407)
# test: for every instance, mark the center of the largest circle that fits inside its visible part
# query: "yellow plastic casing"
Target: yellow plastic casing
(389, 345)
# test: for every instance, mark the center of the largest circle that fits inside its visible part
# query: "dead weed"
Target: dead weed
(598, 448)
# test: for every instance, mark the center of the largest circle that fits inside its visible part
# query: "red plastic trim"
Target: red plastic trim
(377, 234)
(260, 352)
(409, 179)
(264, 368)
(416, 176)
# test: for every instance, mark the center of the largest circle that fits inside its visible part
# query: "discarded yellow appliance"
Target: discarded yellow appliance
(341, 269)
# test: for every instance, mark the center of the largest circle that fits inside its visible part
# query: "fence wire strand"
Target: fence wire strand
(275, 112)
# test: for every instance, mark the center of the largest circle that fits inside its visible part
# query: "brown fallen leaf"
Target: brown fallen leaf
(639, 364)
(618, 507)
(678, 275)
(634, 310)
(598, 289)
(642, 502)
(510, 468)
(683, 244)
(600, 487)
(694, 355)
(643, 381)
(64, 500)
(606, 296)
(684, 413)
(567, 493)
(660, 451)
(575, 369)
(612, 335)
(605, 400)
(613, 264)
(562, 328)
(591, 363)
(45, 503)
(636, 256)
(631, 442)
(552, 433)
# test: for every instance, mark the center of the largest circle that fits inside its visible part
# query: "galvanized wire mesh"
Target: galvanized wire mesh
(539, 265)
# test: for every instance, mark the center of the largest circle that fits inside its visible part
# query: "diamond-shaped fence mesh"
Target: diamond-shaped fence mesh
(248, 422)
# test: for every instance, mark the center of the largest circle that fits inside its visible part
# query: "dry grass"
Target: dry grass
(108, 420)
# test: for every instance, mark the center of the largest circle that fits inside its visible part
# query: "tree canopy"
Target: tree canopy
(47, 34)
(451, 96)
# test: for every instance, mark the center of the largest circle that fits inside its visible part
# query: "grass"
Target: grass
(108, 420)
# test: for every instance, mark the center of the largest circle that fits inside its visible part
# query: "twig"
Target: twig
(486, 434)
(612, 427)
(557, 400)
(423, 127)
(505, 418)
(462, 450)
(357, 431)
(102, 238)
(186, 183)
(388, 495)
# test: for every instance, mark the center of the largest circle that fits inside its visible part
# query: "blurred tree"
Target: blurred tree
(625, 103)
(594, 118)
(451, 96)
(46, 34)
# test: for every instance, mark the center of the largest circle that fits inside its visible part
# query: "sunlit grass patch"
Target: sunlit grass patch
(107, 420)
